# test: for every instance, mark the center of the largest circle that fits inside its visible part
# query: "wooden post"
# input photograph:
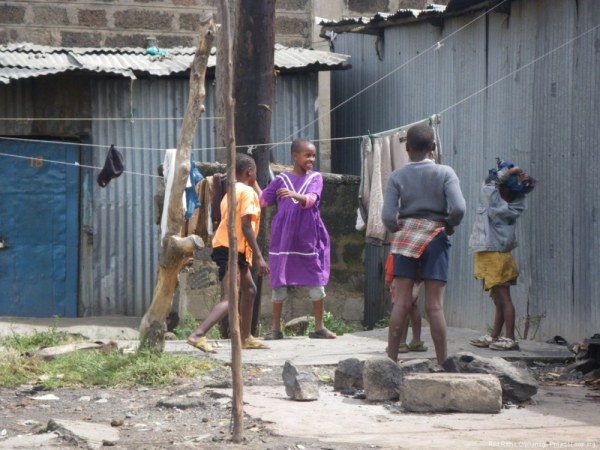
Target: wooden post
(253, 91)
(234, 316)
(175, 251)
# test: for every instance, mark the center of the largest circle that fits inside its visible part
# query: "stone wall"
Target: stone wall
(199, 288)
(127, 23)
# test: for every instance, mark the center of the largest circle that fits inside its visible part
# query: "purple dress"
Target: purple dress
(299, 246)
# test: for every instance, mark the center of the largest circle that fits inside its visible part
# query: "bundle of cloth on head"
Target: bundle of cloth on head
(514, 183)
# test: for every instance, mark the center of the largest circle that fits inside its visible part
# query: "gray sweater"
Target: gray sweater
(423, 190)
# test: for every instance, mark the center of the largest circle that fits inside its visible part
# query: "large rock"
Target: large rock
(517, 384)
(302, 386)
(348, 374)
(416, 366)
(446, 392)
(382, 379)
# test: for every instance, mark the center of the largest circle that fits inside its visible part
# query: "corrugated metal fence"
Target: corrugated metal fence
(539, 114)
(120, 239)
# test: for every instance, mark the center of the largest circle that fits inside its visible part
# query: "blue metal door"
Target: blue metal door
(39, 228)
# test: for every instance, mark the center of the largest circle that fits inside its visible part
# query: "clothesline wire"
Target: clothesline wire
(83, 144)
(530, 63)
(97, 119)
(401, 66)
(287, 139)
(64, 163)
(570, 41)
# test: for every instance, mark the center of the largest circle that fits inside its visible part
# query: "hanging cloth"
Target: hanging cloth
(381, 154)
(191, 196)
(113, 167)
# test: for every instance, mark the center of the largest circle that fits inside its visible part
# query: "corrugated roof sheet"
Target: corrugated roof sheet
(373, 25)
(30, 60)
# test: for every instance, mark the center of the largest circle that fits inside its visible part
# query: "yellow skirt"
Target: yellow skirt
(495, 268)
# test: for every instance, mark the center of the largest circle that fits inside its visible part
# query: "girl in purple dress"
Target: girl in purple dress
(299, 246)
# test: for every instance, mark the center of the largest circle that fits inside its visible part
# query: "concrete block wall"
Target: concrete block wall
(199, 288)
(127, 23)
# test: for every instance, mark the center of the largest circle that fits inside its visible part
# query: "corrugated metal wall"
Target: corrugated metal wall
(120, 244)
(542, 117)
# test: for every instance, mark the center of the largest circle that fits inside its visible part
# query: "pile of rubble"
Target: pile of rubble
(585, 369)
(467, 383)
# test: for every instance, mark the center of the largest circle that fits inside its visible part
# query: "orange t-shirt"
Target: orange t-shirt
(247, 204)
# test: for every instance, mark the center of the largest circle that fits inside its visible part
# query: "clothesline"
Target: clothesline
(76, 164)
(443, 111)
(96, 119)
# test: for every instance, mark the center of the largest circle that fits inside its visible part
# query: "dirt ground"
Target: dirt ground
(189, 413)
(192, 413)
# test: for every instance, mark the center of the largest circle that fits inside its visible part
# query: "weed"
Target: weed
(90, 367)
(338, 326)
(39, 339)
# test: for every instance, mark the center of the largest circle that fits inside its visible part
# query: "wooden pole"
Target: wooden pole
(234, 319)
(253, 91)
(175, 251)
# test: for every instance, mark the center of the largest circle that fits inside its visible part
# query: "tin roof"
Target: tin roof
(29, 60)
(374, 24)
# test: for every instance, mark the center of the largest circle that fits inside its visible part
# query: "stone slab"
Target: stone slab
(451, 392)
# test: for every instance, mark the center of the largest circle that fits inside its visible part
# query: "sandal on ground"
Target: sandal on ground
(323, 333)
(418, 346)
(202, 344)
(403, 348)
(274, 335)
(483, 341)
(251, 343)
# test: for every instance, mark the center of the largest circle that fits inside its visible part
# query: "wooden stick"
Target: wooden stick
(234, 320)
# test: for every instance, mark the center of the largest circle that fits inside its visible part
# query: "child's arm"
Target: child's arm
(499, 209)
(259, 263)
(269, 194)
(389, 211)
(307, 201)
(455, 200)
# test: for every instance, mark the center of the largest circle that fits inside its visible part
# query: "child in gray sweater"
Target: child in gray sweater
(422, 204)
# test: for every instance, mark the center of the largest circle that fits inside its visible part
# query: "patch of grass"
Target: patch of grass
(37, 340)
(383, 322)
(91, 367)
(338, 326)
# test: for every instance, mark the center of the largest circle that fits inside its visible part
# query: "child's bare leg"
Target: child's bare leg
(415, 323)
(498, 315)
(248, 293)
(399, 316)
(434, 305)
(404, 334)
(415, 315)
(276, 310)
(319, 311)
(505, 308)
(217, 314)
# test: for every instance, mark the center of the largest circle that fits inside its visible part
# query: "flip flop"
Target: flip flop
(202, 344)
(323, 333)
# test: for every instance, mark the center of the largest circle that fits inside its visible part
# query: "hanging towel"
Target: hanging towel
(168, 175)
(381, 154)
(113, 167)
(388, 154)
